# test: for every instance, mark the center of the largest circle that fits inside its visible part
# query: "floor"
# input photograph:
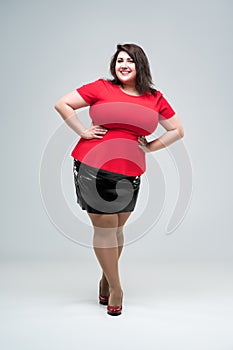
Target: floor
(54, 305)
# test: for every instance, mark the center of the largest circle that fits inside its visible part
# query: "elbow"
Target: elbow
(57, 105)
(181, 132)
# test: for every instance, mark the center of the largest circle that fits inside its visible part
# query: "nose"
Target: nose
(124, 64)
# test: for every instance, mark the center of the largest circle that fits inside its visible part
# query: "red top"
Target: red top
(126, 117)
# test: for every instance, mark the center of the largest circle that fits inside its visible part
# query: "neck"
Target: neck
(130, 88)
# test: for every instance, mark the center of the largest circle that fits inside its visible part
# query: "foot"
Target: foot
(114, 307)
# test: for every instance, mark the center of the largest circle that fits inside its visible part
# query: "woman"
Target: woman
(109, 158)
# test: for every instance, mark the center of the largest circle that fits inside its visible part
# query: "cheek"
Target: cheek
(117, 72)
(133, 68)
(117, 68)
(134, 73)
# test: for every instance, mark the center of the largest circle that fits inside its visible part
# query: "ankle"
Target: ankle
(104, 281)
(115, 290)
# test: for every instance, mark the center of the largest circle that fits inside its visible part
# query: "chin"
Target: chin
(126, 80)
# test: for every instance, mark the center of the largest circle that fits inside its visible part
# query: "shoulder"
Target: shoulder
(95, 91)
(101, 83)
(154, 96)
(105, 86)
(158, 96)
(105, 82)
(95, 86)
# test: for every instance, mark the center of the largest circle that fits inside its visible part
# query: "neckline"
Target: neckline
(127, 93)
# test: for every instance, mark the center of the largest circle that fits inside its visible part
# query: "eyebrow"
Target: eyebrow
(121, 58)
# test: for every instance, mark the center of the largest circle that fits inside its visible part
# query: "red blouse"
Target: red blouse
(126, 117)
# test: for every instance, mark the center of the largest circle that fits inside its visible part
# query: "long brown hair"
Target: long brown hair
(144, 84)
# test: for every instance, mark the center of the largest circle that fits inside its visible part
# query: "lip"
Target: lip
(124, 72)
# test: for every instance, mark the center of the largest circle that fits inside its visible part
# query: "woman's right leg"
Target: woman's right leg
(122, 218)
(106, 249)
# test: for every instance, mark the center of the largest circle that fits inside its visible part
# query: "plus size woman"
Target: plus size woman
(109, 157)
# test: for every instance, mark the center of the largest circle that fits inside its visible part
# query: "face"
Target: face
(125, 68)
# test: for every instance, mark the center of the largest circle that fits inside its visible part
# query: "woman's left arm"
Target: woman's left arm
(174, 132)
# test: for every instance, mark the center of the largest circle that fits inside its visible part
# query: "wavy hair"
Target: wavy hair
(144, 84)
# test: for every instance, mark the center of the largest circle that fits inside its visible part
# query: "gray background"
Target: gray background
(49, 48)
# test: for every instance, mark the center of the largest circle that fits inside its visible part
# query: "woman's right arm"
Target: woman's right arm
(66, 107)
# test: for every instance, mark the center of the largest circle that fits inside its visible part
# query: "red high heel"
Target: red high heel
(103, 300)
(115, 310)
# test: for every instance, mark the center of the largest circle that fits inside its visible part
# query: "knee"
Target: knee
(119, 231)
(105, 237)
(105, 231)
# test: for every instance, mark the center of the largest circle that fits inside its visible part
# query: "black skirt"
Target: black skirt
(104, 192)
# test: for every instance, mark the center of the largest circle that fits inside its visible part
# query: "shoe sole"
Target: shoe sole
(114, 313)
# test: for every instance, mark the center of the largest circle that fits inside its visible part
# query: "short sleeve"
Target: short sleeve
(164, 108)
(90, 92)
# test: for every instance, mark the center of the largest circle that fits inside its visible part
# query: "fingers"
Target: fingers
(99, 131)
(142, 140)
(142, 143)
(97, 136)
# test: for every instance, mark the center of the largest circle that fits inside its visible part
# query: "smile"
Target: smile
(124, 72)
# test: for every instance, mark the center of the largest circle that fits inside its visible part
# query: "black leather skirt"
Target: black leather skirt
(103, 192)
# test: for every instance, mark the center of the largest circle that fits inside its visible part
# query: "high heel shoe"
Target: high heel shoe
(115, 310)
(103, 300)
